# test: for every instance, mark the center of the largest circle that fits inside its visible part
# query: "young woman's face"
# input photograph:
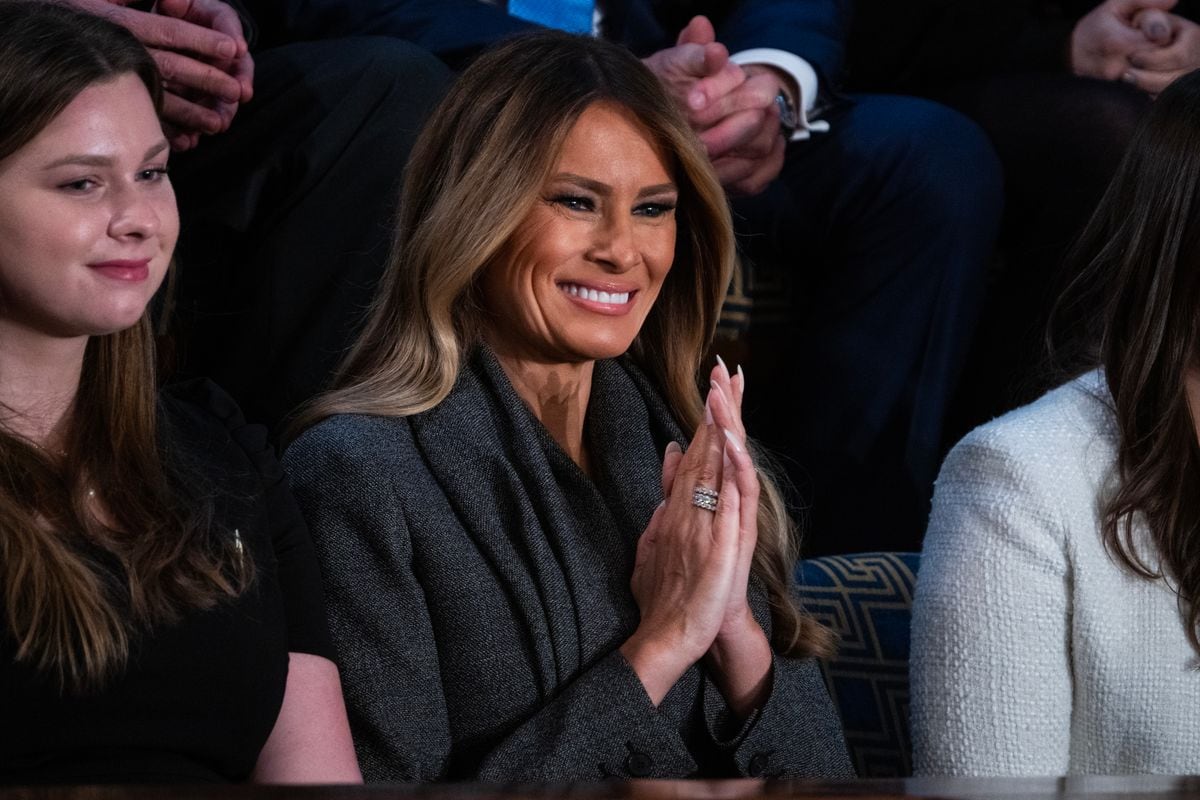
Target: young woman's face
(87, 216)
(585, 266)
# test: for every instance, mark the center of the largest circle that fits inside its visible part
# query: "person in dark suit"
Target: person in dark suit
(1059, 88)
(529, 579)
(870, 221)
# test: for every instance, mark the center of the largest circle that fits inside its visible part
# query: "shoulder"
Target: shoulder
(1068, 433)
(371, 449)
(205, 423)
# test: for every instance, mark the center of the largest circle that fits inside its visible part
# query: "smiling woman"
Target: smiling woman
(528, 578)
(159, 619)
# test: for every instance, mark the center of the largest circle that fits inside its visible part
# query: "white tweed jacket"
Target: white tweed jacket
(1033, 652)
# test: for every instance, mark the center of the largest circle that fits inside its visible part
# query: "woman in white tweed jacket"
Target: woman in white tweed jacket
(1056, 617)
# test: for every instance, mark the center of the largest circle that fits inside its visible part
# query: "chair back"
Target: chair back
(866, 598)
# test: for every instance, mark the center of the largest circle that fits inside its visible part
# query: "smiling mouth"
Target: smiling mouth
(595, 295)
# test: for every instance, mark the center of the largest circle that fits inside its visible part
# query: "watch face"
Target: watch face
(787, 114)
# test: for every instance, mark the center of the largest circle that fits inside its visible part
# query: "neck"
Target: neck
(39, 378)
(558, 396)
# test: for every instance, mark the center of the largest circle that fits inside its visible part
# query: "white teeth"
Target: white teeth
(608, 298)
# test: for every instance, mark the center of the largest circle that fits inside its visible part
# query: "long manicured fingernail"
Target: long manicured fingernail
(708, 417)
(672, 447)
(733, 440)
(741, 374)
(721, 361)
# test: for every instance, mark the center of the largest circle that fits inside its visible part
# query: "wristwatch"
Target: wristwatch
(789, 121)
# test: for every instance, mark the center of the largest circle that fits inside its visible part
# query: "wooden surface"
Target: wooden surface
(1106, 788)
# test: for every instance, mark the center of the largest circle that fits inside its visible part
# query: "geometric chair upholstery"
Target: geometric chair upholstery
(866, 598)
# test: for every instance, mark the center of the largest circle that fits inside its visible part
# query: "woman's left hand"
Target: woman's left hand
(740, 656)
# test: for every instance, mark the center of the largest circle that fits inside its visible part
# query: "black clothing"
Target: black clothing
(199, 698)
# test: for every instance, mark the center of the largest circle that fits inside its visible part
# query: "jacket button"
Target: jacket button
(758, 764)
(638, 764)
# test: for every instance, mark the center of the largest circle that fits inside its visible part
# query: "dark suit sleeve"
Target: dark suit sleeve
(453, 30)
(815, 30)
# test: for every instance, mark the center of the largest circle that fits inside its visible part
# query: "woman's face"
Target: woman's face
(583, 269)
(87, 216)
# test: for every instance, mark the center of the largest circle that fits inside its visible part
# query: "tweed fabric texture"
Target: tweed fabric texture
(1033, 652)
(478, 589)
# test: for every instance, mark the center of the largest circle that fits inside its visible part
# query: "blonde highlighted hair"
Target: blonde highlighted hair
(474, 174)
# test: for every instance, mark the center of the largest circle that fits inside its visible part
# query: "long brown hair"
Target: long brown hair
(1135, 304)
(75, 589)
(473, 176)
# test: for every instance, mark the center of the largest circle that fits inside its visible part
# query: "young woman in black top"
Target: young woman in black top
(160, 612)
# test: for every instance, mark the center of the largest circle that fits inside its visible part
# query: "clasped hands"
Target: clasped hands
(202, 54)
(1136, 41)
(731, 107)
(692, 569)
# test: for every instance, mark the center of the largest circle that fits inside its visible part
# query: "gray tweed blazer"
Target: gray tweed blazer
(477, 584)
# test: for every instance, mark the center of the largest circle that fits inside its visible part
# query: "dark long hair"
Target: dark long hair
(75, 588)
(473, 176)
(1134, 308)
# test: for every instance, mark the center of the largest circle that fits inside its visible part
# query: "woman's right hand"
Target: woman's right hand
(687, 561)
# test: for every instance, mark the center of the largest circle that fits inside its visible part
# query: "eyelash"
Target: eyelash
(578, 203)
(150, 174)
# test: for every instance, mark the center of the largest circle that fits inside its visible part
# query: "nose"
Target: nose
(615, 245)
(134, 213)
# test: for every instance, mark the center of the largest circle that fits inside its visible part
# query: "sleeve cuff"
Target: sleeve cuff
(804, 75)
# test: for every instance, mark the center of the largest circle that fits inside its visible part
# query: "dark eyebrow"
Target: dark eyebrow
(603, 188)
(102, 161)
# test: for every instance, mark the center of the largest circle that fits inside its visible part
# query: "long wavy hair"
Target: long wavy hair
(474, 175)
(1134, 308)
(75, 588)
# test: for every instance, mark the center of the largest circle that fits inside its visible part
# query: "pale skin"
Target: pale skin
(731, 107)
(87, 226)
(606, 222)
(201, 51)
(1139, 42)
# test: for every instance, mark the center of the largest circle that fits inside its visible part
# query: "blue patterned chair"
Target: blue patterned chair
(867, 599)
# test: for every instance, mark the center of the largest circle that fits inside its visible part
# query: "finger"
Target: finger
(701, 464)
(736, 133)
(1164, 59)
(746, 478)
(725, 414)
(190, 117)
(757, 173)
(731, 396)
(181, 36)
(727, 521)
(712, 98)
(715, 77)
(212, 14)
(752, 93)
(739, 387)
(1128, 9)
(671, 461)
(1155, 25)
(699, 30)
(243, 73)
(1150, 82)
(186, 72)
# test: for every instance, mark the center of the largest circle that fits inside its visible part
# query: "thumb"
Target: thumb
(1128, 9)
(1155, 25)
(698, 31)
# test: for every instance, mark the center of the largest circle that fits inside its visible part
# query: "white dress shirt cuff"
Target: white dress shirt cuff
(804, 75)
